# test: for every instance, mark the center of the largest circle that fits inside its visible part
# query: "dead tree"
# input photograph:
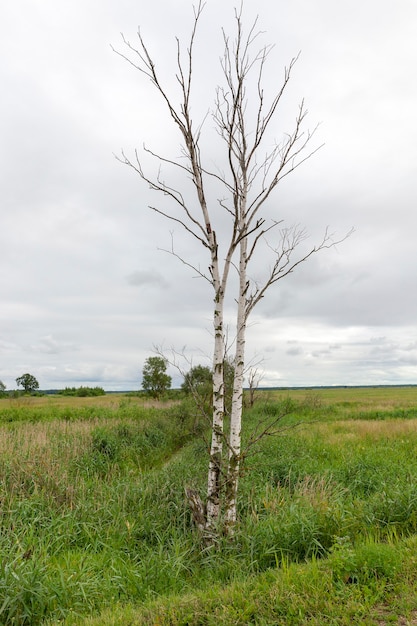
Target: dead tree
(254, 380)
(242, 116)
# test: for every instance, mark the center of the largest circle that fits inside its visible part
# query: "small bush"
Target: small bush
(190, 417)
(365, 563)
(394, 508)
(135, 445)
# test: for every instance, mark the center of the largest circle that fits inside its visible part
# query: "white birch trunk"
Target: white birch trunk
(214, 472)
(214, 479)
(245, 168)
(237, 398)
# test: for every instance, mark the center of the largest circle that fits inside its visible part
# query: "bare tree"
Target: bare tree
(254, 380)
(242, 116)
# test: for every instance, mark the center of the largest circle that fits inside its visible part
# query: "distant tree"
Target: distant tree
(198, 382)
(155, 380)
(198, 379)
(28, 382)
(2, 388)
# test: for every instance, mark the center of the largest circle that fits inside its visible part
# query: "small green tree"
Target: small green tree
(198, 385)
(2, 389)
(198, 380)
(28, 382)
(155, 380)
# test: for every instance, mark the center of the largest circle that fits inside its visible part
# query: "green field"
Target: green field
(96, 530)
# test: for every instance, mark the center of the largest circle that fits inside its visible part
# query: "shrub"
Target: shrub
(365, 563)
(190, 417)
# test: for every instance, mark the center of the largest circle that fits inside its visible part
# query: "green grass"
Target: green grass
(95, 527)
(365, 585)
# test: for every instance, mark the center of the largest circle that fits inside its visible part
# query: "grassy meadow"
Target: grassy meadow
(96, 530)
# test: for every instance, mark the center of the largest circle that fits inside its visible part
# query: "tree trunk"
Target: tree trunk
(217, 435)
(237, 398)
(253, 167)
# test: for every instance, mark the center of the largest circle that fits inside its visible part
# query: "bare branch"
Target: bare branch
(183, 261)
(157, 184)
(253, 171)
(283, 265)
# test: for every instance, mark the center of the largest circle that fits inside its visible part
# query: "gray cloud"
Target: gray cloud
(295, 351)
(75, 223)
(50, 345)
(150, 278)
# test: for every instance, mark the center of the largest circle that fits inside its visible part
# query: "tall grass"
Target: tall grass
(361, 585)
(94, 512)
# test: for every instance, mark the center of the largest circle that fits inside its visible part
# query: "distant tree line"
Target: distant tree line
(82, 392)
(30, 385)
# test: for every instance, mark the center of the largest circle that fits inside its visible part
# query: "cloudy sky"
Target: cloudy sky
(86, 291)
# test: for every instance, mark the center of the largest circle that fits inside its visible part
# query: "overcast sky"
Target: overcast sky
(86, 291)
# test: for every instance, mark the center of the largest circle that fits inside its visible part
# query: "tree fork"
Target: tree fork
(253, 171)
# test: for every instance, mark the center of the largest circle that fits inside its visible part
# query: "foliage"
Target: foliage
(82, 392)
(155, 380)
(28, 382)
(191, 415)
(2, 389)
(194, 412)
(198, 380)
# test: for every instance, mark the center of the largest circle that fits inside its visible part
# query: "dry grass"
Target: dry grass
(36, 457)
(355, 430)
(45, 439)
(359, 398)
(108, 401)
